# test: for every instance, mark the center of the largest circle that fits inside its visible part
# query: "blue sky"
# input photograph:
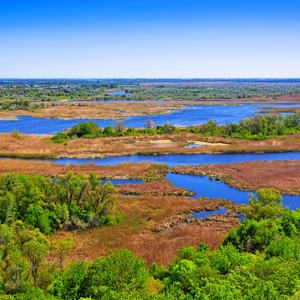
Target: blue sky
(149, 38)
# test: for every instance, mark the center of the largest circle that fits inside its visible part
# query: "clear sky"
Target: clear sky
(149, 38)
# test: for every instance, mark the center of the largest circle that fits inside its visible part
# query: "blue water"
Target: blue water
(205, 187)
(119, 93)
(204, 213)
(180, 159)
(123, 181)
(191, 116)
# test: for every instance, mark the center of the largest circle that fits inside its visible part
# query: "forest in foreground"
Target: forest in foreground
(257, 260)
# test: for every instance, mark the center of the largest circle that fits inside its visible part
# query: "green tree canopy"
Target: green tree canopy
(267, 205)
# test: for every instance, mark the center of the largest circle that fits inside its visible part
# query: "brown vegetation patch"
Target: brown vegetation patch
(121, 171)
(34, 146)
(95, 110)
(283, 175)
(143, 215)
(101, 147)
(162, 188)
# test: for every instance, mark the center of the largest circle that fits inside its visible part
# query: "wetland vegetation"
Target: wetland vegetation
(67, 233)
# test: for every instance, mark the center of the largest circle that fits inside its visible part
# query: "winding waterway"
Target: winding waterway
(196, 114)
(180, 159)
(201, 185)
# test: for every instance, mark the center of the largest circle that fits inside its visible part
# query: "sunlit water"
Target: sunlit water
(193, 115)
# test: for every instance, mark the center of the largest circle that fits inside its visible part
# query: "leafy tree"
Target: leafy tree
(168, 128)
(86, 128)
(254, 235)
(7, 208)
(119, 271)
(100, 197)
(108, 131)
(62, 249)
(38, 217)
(268, 204)
(35, 250)
(16, 134)
(69, 285)
(290, 222)
(227, 258)
(16, 272)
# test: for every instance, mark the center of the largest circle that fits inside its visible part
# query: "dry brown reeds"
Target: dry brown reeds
(124, 170)
(142, 215)
(39, 146)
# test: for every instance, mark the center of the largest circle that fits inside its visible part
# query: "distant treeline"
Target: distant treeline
(147, 89)
(19, 105)
(255, 128)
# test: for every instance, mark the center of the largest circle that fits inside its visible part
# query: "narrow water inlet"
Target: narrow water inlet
(204, 187)
(205, 214)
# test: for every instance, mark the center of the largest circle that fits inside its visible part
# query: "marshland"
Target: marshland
(86, 178)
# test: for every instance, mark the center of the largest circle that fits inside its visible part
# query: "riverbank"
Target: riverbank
(41, 146)
(282, 175)
(114, 110)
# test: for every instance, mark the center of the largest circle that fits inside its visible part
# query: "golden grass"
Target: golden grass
(95, 110)
(141, 216)
(124, 170)
(130, 145)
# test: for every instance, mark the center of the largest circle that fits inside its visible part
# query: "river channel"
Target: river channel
(199, 184)
(173, 160)
(191, 115)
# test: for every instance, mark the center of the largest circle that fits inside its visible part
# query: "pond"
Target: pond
(192, 115)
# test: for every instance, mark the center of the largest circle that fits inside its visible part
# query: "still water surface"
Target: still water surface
(193, 115)
(180, 159)
(203, 186)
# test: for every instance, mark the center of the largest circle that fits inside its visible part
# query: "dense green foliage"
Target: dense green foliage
(257, 260)
(254, 128)
(70, 201)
